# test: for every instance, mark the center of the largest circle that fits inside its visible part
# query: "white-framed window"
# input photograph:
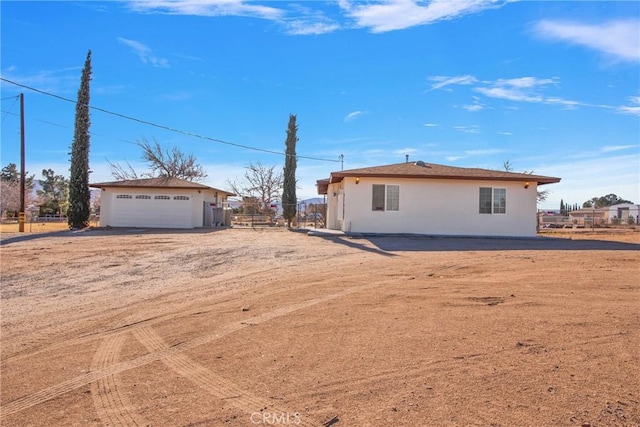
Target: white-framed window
(180, 197)
(162, 198)
(385, 197)
(493, 200)
(124, 196)
(143, 197)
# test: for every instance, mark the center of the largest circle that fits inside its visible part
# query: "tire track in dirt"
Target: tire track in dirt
(64, 387)
(113, 407)
(210, 381)
(109, 323)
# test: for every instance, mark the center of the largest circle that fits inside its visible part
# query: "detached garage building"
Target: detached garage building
(162, 203)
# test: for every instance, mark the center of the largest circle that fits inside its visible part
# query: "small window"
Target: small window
(485, 200)
(393, 197)
(162, 198)
(124, 196)
(180, 197)
(143, 197)
(377, 201)
(499, 200)
(493, 200)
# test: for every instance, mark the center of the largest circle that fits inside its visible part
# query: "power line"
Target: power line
(37, 120)
(170, 129)
(10, 97)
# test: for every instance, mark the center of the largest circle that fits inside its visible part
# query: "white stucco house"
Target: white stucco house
(430, 199)
(622, 213)
(161, 203)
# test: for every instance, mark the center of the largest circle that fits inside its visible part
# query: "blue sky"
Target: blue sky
(552, 87)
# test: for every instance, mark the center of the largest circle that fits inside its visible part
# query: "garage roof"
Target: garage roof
(159, 182)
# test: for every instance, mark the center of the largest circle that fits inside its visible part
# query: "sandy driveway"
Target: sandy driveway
(243, 327)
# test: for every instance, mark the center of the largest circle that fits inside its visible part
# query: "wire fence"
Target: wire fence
(255, 214)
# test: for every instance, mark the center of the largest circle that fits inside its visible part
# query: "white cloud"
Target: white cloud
(610, 148)
(299, 27)
(431, 125)
(389, 15)
(505, 133)
(307, 21)
(473, 107)
(523, 89)
(208, 8)
(468, 129)
(353, 115)
(298, 20)
(520, 89)
(619, 39)
(631, 109)
(59, 81)
(442, 81)
(145, 53)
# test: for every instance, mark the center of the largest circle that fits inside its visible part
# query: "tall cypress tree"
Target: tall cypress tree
(79, 194)
(289, 185)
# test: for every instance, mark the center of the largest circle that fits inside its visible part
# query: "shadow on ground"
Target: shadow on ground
(439, 244)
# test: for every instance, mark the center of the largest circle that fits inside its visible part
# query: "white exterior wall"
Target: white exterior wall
(434, 207)
(633, 210)
(194, 205)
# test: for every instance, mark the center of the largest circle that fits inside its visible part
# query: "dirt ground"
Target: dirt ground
(251, 327)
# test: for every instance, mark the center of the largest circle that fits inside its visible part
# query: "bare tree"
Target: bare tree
(121, 173)
(169, 163)
(10, 197)
(10, 190)
(261, 182)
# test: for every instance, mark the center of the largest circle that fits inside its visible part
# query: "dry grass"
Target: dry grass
(34, 227)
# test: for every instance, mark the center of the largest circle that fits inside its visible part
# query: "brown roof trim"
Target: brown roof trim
(161, 183)
(322, 185)
(419, 170)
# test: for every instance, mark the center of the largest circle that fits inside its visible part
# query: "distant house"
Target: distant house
(431, 199)
(161, 203)
(588, 217)
(623, 213)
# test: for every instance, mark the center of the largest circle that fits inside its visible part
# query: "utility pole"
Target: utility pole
(21, 215)
(341, 156)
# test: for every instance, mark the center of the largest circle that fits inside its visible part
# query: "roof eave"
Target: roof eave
(539, 179)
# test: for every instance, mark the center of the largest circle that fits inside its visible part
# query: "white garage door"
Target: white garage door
(152, 210)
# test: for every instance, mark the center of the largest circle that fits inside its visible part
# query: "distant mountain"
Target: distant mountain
(315, 201)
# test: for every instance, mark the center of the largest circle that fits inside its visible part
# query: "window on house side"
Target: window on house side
(385, 197)
(499, 200)
(485, 200)
(393, 197)
(493, 200)
(377, 201)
